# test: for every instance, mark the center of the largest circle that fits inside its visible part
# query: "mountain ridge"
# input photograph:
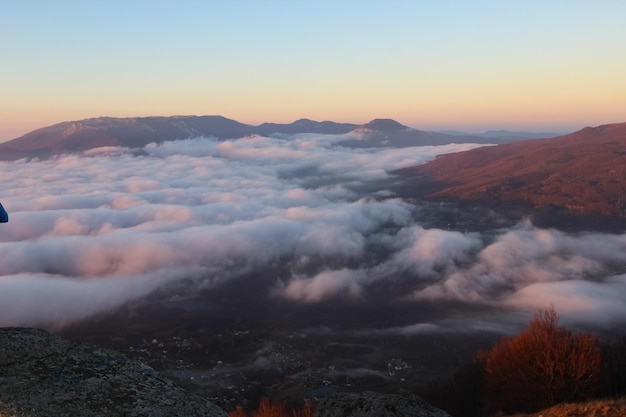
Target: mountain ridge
(136, 132)
(513, 134)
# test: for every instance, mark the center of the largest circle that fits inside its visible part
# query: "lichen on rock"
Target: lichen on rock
(372, 404)
(46, 375)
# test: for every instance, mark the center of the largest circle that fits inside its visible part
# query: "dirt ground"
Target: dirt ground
(603, 408)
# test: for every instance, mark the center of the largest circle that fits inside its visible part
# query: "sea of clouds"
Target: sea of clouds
(92, 232)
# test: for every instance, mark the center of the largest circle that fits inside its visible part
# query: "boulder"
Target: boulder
(46, 375)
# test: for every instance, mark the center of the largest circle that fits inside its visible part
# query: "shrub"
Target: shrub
(542, 366)
(615, 358)
(238, 412)
(462, 395)
(269, 409)
(307, 410)
(274, 409)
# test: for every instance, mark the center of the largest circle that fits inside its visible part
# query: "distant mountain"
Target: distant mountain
(385, 125)
(305, 126)
(136, 132)
(518, 135)
(504, 135)
(387, 132)
(132, 132)
(584, 171)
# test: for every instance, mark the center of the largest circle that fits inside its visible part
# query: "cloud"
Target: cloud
(325, 285)
(54, 300)
(89, 233)
(89, 225)
(529, 268)
(590, 303)
(432, 252)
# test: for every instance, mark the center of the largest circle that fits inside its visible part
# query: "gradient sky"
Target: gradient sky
(470, 65)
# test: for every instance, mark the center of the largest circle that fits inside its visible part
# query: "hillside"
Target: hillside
(584, 171)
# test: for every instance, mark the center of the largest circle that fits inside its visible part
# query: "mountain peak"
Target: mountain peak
(385, 125)
(304, 120)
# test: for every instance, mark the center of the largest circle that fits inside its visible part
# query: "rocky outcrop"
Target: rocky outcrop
(371, 404)
(45, 375)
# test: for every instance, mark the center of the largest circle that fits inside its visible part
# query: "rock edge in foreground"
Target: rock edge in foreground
(42, 374)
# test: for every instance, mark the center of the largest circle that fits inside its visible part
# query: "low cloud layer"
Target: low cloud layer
(89, 233)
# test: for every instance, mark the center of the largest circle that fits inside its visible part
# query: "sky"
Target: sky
(88, 233)
(468, 65)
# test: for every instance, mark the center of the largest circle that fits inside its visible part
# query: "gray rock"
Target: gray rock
(45, 375)
(372, 404)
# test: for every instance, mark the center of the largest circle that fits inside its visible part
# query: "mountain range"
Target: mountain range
(584, 171)
(502, 134)
(136, 132)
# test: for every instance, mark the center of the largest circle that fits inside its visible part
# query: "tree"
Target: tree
(466, 387)
(270, 409)
(614, 354)
(542, 366)
(274, 409)
(238, 412)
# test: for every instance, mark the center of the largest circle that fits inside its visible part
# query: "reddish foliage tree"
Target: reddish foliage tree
(277, 409)
(615, 357)
(238, 412)
(269, 409)
(542, 366)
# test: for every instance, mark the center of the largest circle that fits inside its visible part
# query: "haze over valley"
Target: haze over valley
(276, 242)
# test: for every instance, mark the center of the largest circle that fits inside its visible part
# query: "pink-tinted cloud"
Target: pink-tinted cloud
(91, 232)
